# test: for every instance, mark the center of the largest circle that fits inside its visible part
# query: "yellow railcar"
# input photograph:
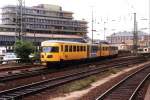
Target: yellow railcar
(62, 51)
(58, 51)
(113, 51)
(104, 50)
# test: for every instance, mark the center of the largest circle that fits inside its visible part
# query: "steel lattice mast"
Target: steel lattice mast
(19, 19)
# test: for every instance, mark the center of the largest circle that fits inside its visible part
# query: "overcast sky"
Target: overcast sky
(116, 14)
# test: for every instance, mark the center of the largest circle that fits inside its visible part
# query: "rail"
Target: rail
(126, 89)
(45, 71)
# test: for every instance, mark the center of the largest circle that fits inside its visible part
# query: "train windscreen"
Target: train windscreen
(50, 49)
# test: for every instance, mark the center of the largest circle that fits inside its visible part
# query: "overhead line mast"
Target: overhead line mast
(135, 36)
(92, 24)
(19, 19)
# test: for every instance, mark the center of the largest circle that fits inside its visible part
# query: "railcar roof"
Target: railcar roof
(60, 41)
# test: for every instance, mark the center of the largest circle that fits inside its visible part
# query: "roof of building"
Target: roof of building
(125, 33)
(41, 8)
(41, 35)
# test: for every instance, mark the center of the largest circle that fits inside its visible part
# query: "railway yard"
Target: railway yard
(121, 78)
(49, 53)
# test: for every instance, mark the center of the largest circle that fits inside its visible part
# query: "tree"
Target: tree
(23, 49)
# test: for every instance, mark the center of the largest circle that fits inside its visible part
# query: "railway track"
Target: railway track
(128, 87)
(8, 68)
(43, 71)
(21, 91)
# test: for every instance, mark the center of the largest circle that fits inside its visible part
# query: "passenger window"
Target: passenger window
(99, 48)
(77, 48)
(62, 49)
(81, 48)
(74, 48)
(84, 48)
(70, 48)
(66, 48)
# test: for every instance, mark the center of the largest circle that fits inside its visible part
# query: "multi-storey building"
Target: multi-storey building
(42, 22)
(44, 18)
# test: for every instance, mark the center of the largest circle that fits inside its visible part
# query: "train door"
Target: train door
(94, 49)
(110, 50)
(66, 51)
(62, 48)
(88, 51)
(100, 50)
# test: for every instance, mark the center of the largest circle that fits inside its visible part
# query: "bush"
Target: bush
(23, 49)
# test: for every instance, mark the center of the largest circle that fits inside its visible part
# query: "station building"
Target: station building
(124, 40)
(39, 23)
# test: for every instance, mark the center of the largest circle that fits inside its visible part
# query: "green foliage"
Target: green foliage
(23, 49)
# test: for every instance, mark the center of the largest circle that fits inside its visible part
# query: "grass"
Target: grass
(86, 82)
(79, 84)
(113, 70)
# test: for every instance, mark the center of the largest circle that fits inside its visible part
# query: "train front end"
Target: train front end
(50, 53)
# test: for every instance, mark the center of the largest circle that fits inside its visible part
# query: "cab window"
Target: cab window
(50, 49)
